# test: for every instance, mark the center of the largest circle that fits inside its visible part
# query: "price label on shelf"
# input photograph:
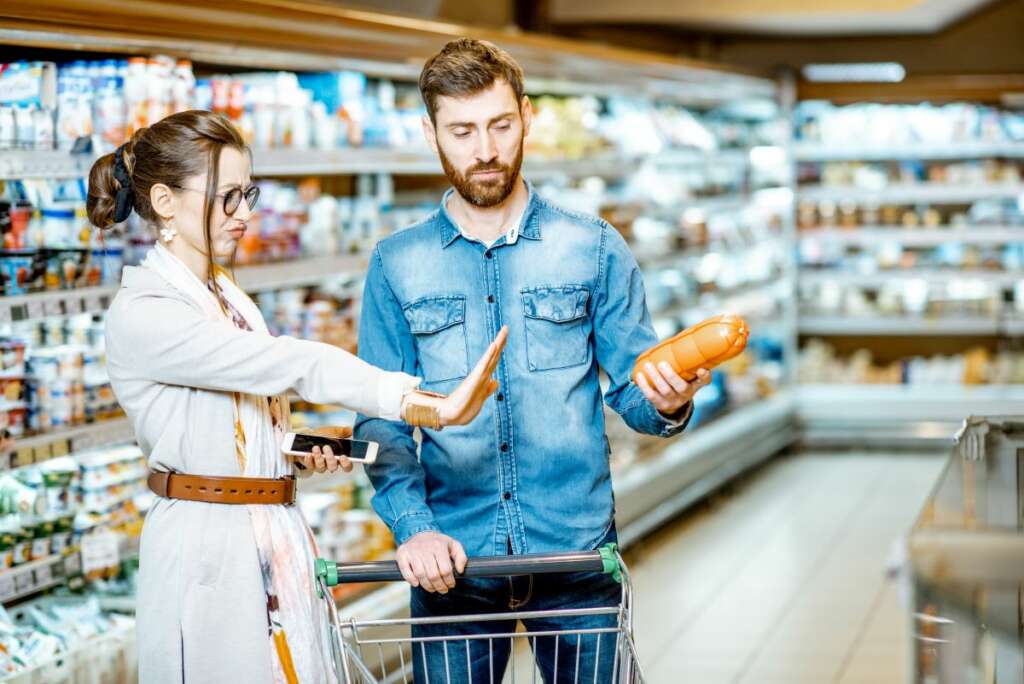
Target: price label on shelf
(6, 586)
(23, 457)
(44, 574)
(62, 447)
(35, 309)
(41, 454)
(53, 307)
(100, 550)
(72, 564)
(23, 582)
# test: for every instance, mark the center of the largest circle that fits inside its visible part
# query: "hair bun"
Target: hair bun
(101, 203)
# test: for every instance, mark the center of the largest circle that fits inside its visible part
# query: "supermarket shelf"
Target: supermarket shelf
(32, 578)
(43, 447)
(319, 37)
(813, 152)
(725, 300)
(695, 157)
(898, 325)
(300, 273)
(297, 273)
(17, 164)
(895, 415)
(933, 193)
(339, 162)
(818, 276)
(918, 237)
(651, 492)
(651, 259)
(57, 303)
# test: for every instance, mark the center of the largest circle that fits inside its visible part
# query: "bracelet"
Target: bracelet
(422, 415)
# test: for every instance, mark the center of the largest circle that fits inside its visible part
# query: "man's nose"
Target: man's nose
(487, 150)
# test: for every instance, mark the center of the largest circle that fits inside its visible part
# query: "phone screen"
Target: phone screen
(352, 448)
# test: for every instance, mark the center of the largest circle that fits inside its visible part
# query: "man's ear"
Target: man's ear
(429, 132)
(526, 111)
(162, 199)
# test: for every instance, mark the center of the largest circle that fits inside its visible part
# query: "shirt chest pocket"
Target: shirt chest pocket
(557, 326)
(439, 326)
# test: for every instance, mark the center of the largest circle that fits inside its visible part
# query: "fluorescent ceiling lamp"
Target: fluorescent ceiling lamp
(867, 72)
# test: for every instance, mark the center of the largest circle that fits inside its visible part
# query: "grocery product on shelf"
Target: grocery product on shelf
(324, 314)
(48, 243)
(881, 126)
(67, 638)
(47, 509)
(819, 363)
(54, 375)
(877, 175)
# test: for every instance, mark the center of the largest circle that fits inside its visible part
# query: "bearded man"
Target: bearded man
(531, 474)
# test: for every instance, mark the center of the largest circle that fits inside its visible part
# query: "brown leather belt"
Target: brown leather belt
(223, 490)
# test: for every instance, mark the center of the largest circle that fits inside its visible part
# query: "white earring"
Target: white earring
(168, 234)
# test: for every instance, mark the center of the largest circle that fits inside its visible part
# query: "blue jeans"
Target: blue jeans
(483, 661)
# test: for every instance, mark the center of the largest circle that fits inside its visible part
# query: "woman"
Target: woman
(225, 584)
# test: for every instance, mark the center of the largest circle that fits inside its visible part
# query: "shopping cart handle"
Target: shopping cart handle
(604, 560)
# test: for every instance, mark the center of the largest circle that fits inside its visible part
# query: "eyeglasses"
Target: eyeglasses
(233, 197)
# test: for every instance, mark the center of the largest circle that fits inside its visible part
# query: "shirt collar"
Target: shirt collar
(529, 224)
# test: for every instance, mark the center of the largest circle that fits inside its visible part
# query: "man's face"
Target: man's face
(480, 142)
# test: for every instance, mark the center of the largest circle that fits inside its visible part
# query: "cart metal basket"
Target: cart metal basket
(385, 651)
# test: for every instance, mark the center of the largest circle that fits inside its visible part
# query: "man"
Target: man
(531, 475)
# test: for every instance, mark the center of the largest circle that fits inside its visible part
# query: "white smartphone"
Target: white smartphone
(299, 444)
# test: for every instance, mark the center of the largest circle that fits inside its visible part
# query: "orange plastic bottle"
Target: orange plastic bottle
(705, 345)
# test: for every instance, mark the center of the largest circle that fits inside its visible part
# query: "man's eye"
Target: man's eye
(503, 126)
(461, 134)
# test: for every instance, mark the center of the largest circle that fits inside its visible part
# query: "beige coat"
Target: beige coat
(201, 605)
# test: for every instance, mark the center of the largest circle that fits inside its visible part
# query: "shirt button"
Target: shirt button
(490, 299)
(507, 496)
(504, 446)
(489, 255)
(501, 396)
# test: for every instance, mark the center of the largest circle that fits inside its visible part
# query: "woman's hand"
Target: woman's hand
(325, 461)
(463, 405)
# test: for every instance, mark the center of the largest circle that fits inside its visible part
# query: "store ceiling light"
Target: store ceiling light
(863, 72)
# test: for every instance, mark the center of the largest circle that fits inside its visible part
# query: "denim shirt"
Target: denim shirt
(532, 470)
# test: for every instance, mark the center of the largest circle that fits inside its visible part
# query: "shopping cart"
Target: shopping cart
(383, 651)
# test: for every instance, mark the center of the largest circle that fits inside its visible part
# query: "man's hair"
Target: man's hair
(465, 67)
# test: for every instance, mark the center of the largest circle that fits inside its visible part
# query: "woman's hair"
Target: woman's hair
(170, 152)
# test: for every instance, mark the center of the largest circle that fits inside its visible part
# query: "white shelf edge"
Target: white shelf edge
(937, 193)
(707, 437)
(817, 152)
(916, 236)
(12, 575)
(256, 277)
(903, 403)
(100, 434)
(898, 326)
(297, 273)
(813, 276)
(313, 162)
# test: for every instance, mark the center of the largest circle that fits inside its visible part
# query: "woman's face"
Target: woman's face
(225, 230)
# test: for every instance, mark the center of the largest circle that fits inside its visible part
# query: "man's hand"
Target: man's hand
(667, 390)
(429, 560)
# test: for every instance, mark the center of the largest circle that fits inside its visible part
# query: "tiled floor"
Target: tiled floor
(784, 580)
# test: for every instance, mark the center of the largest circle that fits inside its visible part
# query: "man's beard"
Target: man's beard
(484, 194)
